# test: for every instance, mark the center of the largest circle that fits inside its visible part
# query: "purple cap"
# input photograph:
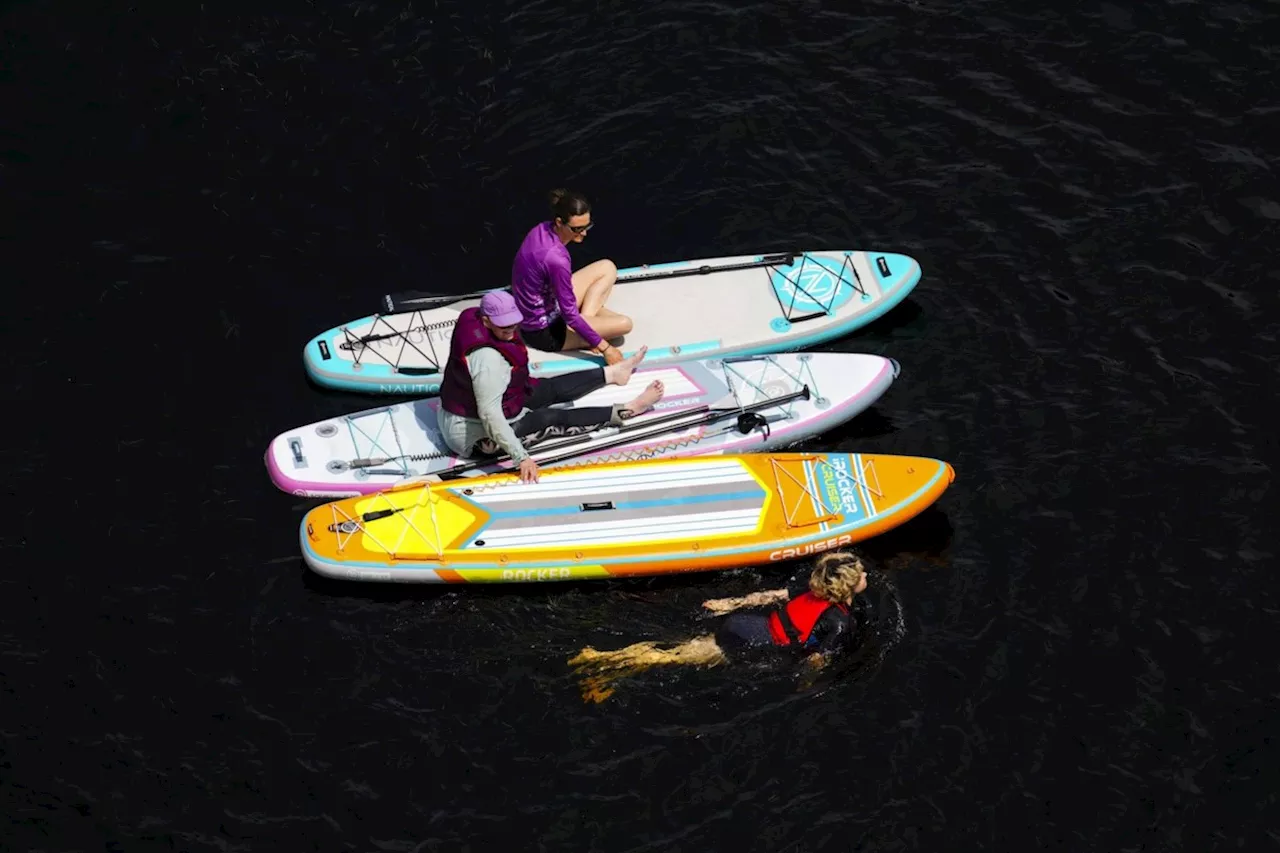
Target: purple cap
(500, 307)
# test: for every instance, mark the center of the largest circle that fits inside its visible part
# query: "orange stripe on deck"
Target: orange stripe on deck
(450, 576)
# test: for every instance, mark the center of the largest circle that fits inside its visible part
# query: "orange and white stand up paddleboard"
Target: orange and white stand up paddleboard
(624, 519)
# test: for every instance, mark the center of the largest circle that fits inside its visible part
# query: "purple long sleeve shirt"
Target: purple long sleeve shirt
(542, 283)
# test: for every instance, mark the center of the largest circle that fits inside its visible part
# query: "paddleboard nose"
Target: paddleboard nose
(894, 271)
(951, 473)
(315, 351)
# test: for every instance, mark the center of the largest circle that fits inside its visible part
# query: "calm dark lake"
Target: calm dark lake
(1072, 647)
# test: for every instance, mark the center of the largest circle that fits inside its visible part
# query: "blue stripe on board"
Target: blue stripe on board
(670, 265)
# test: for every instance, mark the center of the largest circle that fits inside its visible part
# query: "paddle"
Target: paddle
(366, 462)
(627, 428)
(624, 436)
(418, 300)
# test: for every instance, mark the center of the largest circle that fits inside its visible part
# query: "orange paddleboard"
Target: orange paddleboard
(623, 519)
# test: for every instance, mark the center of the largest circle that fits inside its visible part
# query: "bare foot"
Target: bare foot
(620, 373)
(645, 401)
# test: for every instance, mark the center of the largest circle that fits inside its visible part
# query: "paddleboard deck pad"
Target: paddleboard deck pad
(741, 305)
(377, 448)
(652, 517)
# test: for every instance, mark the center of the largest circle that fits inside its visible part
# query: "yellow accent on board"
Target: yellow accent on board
(429, 522)
(533, 574)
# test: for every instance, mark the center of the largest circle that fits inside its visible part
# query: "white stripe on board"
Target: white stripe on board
(705, 524)
(817, 501)
(638, 530)
(618, 483)
(691, 466)
(534, 492)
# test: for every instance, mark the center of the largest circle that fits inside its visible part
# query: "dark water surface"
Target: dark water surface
(1082, 661)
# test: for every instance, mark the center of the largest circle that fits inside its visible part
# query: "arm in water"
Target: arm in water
(796, 584)
(829, 634)
(835, 631)
(755, 599)
(490, 376)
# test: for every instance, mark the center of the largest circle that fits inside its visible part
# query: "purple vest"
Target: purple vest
(456, 394)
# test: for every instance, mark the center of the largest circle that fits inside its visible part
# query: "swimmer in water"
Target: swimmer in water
(816, 619)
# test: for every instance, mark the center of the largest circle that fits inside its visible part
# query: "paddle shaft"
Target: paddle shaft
(398, 303)
(364, 462)
(624, 435)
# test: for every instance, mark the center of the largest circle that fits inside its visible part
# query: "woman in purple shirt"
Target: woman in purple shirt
(563, 309)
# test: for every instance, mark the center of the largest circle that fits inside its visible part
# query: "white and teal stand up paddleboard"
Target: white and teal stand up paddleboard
(734, 306)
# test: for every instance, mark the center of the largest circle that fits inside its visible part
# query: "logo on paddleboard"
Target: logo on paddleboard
(837, 483)
(812, 285)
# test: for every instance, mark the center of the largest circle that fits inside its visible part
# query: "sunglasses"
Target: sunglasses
(580, 229)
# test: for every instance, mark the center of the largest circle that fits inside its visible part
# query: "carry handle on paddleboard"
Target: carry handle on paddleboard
(624, 435)
(420, 300)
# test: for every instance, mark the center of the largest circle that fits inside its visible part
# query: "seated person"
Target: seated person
(489, 403)
(565, 310)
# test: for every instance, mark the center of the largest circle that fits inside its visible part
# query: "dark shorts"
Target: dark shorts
(550, 339)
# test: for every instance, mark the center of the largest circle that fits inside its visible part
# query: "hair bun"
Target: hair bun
(566, 204)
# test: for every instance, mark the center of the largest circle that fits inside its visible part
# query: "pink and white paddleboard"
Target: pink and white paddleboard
(711, 406)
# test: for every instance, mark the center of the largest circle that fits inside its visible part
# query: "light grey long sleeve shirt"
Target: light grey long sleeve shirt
(490, 376)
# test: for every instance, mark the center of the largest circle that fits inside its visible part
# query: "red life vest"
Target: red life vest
(456, 393)
(795, 621)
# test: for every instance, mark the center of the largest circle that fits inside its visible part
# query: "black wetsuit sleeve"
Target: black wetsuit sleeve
(834, 629)
(830, 632)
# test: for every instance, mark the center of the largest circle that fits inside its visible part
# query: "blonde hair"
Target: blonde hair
(836, 575)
